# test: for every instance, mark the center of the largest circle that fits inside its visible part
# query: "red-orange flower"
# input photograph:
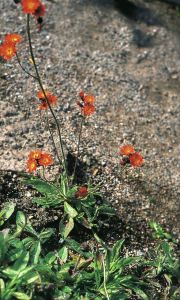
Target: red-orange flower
(87, 104)
(40, 11)
(52, 99)
(136, 159)
(43, 105)
(41, 95)
(30, 6)
(88, 109)
(13, 38)
(38, 158)
(31, 165)
(81, 95)
(82, 192)
(35, 154)
(89, 99)
(7, 50)
(127, 150)
(45, 160)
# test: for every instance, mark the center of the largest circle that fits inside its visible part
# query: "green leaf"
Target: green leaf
(2, 286)
(63, 254)
(106, 210)
(50, 258)
(11, 273)
(21, 296)
(70, 210)
(2, 246)
(42, 186)
(63, 184)
(46, 234)
(22, 261)
(125, 279)
(7, 211)
(73, 245)
(100, 241)
(14, 254)
(45, 271)
(68, 227)
(31, 276)
(167, 249)
(48, 201)
(35, 252)
(159, 231)
(140, 293)
(31, 230)
(25, 272)
(116, 250)
(20, 221)
(97, 272)
(120, 263)
(28, 242)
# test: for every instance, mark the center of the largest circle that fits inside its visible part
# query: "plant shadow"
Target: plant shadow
(137, 12)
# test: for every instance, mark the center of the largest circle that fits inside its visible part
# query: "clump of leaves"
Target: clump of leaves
(85, 211)
(28, 270)
(159, 232)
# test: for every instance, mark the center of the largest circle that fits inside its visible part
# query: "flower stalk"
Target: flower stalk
(51, 134)
(44, 93)
(78, 148)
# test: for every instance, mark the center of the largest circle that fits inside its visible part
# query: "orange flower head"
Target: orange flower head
(35, 154)
(7, 50)
(82, 192)
(40, 11)
(89, 99)
(30, 6)
(31, 165)
(13, 38)
(43, 106)
(127, 150)
(41, 95)
(87, 104)
(45, 160)
(52, 99)
(88, 109)
(136, 159)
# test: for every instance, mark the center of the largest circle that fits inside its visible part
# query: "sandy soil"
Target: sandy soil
(128, 57)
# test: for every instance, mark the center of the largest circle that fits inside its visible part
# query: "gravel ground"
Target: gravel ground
(128, 57)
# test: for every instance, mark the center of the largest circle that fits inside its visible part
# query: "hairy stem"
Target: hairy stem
(51, 134)
(44, 93)
(78, 148)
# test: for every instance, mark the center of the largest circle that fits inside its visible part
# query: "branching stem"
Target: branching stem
(44, 93)
(20, 64)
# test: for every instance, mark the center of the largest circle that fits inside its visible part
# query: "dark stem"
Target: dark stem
(51, 134)
(78, 148)
(19, 62)
(43, 90)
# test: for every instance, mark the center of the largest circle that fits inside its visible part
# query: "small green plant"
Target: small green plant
(159, 232)
(77, 204)
(32, 269)
(92, 270)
